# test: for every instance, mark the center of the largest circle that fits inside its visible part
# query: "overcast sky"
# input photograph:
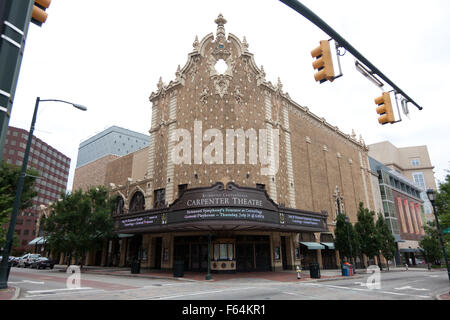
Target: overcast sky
(109, 55)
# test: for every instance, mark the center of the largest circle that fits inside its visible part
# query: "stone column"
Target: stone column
(123, 251)
(319, 258)
(277, 265)
(105, 253)
(338, 259)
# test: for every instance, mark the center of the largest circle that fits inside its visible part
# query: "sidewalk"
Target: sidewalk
(281, 276)
(444, 296)
(9, 294)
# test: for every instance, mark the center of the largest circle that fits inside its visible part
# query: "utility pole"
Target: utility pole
(311, 16)
(15, 17)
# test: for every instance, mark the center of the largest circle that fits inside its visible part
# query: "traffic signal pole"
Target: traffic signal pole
(15, 16)
(311, 16)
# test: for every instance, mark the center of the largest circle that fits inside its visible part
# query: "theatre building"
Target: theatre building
(234, 165)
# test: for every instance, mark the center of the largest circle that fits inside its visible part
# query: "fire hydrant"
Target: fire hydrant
(299, 272)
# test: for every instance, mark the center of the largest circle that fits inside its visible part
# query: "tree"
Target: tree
(443, 208)
(385, 239)
(430, 244)
(9, 176)
(342, 238)
(365, 229)
(79, 222)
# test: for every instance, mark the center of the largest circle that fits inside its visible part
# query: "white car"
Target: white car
(26, 260)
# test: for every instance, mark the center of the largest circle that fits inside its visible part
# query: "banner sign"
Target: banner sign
(217, 203)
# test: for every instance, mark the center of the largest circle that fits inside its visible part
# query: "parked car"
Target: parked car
(26, 260)
(420, 261)
(43, 263)
(15, 261)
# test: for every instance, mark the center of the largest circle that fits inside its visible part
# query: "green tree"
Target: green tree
(9, 176)
(79, 222)
(443, 208)
(367, 235)
(430, 244)
(342, 238)
(385, 239)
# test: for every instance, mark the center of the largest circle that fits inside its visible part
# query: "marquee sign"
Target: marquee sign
(216, 205)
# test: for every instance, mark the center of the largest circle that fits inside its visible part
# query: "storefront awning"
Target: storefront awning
(313, 245)
(38, 240)
(125, 235)
(329, 245)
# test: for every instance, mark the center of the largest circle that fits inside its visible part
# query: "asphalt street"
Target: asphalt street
(54, 285)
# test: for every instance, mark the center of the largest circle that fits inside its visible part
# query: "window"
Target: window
(181, 189)
(137, 202)
(159, 198)
(415, 162)
(223, 251)
(260, 186)
(419, 179)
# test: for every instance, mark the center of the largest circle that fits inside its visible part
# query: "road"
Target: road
(52, 285)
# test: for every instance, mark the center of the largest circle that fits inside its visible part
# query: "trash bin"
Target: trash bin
(314, 270)
(178, 268)
(345, 270)
(350, 270)
(136, 266)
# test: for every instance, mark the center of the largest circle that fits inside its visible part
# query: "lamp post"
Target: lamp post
(4, 274)
(432, 197)
(208, 275)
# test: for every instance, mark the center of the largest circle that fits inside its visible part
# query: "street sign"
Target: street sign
(446, 231)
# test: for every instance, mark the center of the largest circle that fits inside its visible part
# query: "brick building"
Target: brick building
(413, 163)
(96, 152)
(271, 205)
(403, 210)
(53, 171)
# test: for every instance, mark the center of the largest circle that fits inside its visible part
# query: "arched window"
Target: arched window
(137, 202)
(119, 205)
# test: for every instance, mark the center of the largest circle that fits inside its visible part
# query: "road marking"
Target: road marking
(302, 295)
(59, 290)
(27, 281)
(366, 290)
(197, 293)
(34, 282)
(63, 294)
(411, 288)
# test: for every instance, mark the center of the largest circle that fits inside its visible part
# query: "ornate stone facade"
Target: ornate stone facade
(312, 163)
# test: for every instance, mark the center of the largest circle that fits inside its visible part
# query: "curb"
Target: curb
(438, 296)
(16, 294)
(358, 276)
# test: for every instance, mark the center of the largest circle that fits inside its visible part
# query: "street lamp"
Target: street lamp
(4, 274)
(208, 275)
(432, 197)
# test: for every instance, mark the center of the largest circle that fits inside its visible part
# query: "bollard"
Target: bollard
(299, 272)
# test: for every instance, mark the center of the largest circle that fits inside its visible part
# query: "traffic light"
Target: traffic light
(385, 109)
(39, 15)
(323, 62)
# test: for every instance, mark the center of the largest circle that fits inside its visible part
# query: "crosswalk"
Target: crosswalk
(61, 291)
